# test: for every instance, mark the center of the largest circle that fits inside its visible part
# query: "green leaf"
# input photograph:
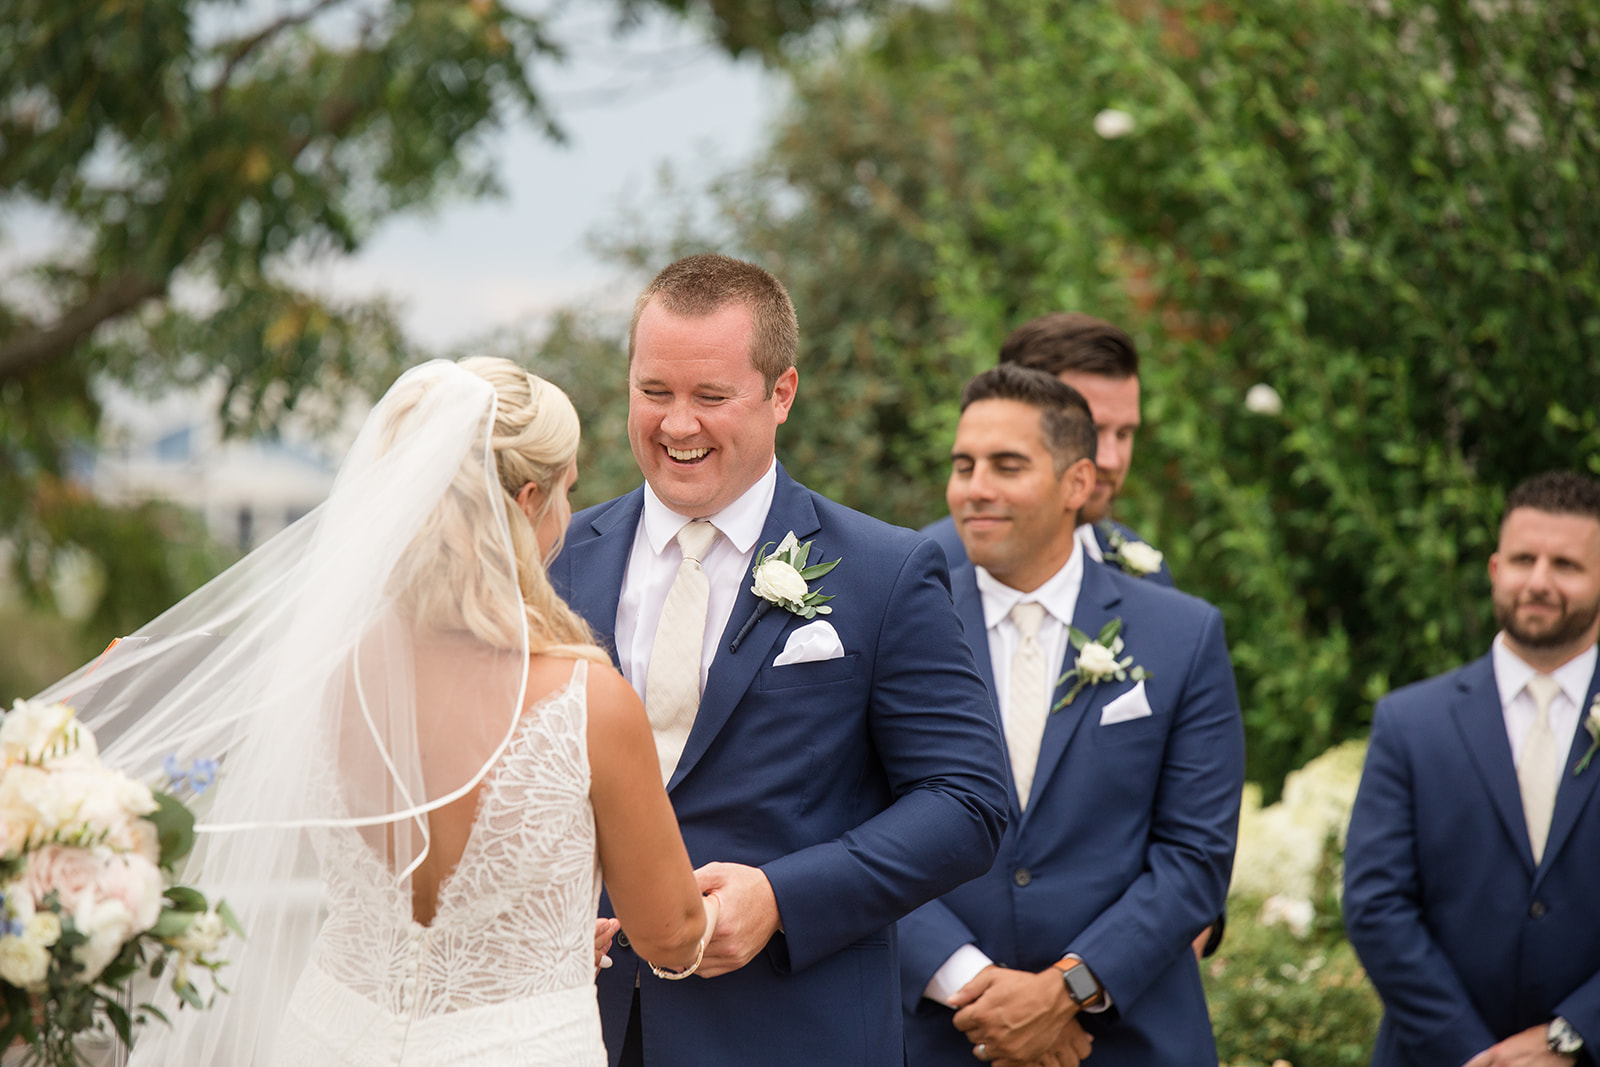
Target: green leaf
(186, 899)
(174, 825)
(229, 919)
(1108, 632)
(1077, 638)
(818, 570)
(173, 923)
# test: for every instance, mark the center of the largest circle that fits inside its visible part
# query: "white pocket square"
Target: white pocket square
(1130, 705)
(812, 643)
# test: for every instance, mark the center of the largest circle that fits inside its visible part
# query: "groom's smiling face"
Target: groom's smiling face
(700, 421)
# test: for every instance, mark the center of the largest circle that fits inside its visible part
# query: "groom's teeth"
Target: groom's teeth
(685, 456)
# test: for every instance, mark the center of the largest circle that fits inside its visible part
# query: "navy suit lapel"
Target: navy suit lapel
(969, 608)
(1574, 791)
(1097, 601)
(1482, 725)
(732, 672)
(597, 565)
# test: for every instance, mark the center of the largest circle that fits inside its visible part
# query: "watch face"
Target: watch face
(1081, 985)
(1562, 1038)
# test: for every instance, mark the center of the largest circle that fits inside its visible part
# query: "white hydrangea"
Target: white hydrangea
(1280, 846)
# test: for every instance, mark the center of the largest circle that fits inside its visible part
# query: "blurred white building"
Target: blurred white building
(172, 449)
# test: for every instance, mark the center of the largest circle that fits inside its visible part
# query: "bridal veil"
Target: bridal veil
(311, 671)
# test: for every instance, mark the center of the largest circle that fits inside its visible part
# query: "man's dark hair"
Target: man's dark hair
(1072, 341)
(1557, 492)
(1064, 417)
(704, 284)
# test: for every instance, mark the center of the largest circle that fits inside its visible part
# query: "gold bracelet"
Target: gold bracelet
(676, 976)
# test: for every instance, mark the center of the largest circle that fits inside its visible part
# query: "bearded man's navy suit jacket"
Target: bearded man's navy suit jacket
(1467, 941)
(1126, 847)
(861, 786)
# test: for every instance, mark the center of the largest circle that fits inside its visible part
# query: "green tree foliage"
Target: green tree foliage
(1382, 210)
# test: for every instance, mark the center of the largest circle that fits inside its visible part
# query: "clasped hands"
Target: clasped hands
(1021, 1018)
(746, 922)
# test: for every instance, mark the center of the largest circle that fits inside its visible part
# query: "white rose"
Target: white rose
(1111, 124)
(32, 729)
(1263, 399)
(1096, 661)
(44, 929)
(1139, 558)
(777, 580)
(108, 925)
(202, 937)
(23, 964)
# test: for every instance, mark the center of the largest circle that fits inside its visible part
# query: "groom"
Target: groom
(828, 775)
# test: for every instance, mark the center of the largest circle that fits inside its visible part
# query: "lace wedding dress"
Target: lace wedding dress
(504, 975)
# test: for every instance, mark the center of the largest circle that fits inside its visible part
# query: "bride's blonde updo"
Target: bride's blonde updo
(534, 439)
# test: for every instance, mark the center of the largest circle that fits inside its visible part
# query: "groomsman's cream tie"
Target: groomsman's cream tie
(1539, 770)
(1026, 697)
(672, 688)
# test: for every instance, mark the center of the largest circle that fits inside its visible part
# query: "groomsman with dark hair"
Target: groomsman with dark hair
(1472, 868)
(1100, 361)
(1124, 800)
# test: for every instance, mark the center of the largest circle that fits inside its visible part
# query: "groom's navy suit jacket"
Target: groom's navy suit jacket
(1467, 941)
(1124, 852)
(943, 532)
(861, 786)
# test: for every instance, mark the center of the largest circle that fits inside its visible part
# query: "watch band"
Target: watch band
(1081, 984)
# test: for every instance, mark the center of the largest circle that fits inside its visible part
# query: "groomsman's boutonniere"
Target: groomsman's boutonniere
(1591, 722)
(1097, 662)
(780, 579)
(1132, 557)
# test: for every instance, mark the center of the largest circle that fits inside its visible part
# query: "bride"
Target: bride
(425, 762)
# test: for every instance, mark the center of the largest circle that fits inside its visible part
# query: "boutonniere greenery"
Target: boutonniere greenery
(1097, 662)
(1591, 722)
(781, 579)
(1132, 557)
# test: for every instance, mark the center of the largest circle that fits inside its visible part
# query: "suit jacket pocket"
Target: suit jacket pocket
(1132, 730)
(796, 675)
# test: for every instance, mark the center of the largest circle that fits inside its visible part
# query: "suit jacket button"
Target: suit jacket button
(1537, 909)
(622, 939)
(1021, 876)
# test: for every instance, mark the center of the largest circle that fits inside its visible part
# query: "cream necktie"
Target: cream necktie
(1539, 770)
(1026, 697)
(672, 688)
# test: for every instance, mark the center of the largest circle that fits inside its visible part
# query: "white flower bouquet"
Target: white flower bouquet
(86, 855)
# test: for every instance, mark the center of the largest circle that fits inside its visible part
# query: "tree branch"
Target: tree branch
(242, 48)
(31, 349)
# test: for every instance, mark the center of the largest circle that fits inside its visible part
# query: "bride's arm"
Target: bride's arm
(642, 857)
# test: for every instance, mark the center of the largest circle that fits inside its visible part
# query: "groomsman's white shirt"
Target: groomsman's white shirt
(1511, 674)
(1085, 535)
(653, 564)
(1059, 597)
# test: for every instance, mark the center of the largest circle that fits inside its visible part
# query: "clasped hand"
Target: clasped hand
(747, 921)
(1021, 1018)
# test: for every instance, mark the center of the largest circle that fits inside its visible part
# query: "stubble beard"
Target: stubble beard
(1566, 629)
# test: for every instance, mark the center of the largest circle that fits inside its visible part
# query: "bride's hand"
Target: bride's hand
(604, 931)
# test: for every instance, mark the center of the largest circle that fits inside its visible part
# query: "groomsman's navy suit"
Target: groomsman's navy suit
(1467, 941)
(1126, 847)
(943, 532)
(861, 786)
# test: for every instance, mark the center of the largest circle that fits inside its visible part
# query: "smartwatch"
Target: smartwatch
(1081, 984)
(1561, 1038)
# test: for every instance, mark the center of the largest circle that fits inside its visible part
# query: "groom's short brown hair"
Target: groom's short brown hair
(701, 285)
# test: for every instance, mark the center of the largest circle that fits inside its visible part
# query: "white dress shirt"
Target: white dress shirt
(1091, 545)
(653, 565)
(1511, 674)
(1059, 598)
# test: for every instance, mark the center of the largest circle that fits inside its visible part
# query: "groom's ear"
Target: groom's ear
(783, 391)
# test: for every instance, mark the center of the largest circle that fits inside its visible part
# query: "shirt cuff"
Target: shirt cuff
(962, 967)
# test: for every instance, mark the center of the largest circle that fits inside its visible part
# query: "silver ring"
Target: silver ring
(982, 1052)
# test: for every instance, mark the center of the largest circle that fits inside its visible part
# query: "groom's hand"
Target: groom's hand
(1017, 1016)
(748, 919)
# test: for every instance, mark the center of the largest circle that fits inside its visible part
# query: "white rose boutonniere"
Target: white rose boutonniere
(1132, 557)
(782, 579)
(1591, 722)
(1098, 661)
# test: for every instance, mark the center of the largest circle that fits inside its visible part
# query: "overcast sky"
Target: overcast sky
(629, 106)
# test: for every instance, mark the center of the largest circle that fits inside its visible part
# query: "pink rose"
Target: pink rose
(135, 883)
(74, 873)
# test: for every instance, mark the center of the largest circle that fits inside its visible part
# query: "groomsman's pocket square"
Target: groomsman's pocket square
(1130, 705)
(812, 643)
